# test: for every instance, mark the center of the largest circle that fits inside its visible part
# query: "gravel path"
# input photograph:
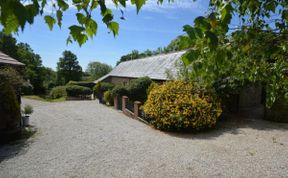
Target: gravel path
(85, 139)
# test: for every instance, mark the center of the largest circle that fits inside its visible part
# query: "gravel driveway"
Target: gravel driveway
(85, 139)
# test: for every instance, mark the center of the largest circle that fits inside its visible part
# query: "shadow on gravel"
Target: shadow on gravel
(232, 125)
(16, 147)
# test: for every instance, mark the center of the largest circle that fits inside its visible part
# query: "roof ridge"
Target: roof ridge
(148, 57)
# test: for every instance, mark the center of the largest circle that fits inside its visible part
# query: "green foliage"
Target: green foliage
(137, 89)
(68, 68)
(34, 70)
(40, 77)
(12, 77)
(254, 52)
(119, 90)
(101, 87)
(97, 70)
(28, 109)
(58, 92)
(151, 86)
(16, 14)
(181, 106)
(108, 97)
(9, 106)
(76, 91)
(82, 83)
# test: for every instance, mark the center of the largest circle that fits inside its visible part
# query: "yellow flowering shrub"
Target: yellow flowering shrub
(181, 106)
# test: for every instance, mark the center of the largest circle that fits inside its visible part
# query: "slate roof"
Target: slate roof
(5, 59)
(155, 67)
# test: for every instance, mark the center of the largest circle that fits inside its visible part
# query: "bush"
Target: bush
(137, 89)
(101, 87)
(108, 97)
(180, 106)
(58, 92)
(9, 108)
(119, 90)
(75, 90)
(82, 83)
(28, 109)
(151, 86)
(10, 114)
(11, 76)
(105, 86)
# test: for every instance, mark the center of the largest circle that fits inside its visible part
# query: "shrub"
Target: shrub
(181, 106)
(151, 86)
(108, 97)
(137, 89)
(75, 90)
(9, 107)
(58, 92)
(105, 86)
(119, 90)
(88, 84)
(28, 109)
(11, 76)
(10, 82)
(101, 87)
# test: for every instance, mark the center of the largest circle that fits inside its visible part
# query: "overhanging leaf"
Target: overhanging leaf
(81, 18)
(62, 4)
(59, 15)
(91, 28)
(50, 21)
(114, 27)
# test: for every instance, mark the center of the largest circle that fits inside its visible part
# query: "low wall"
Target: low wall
(131, 112)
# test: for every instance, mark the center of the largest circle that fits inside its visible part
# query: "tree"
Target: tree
(8, 45)
(50, 78)
(68, 68)
(33, 70)
(16, 13)
(256, 50)
(98, 69)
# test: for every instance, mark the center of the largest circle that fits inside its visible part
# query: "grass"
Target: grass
(44, 98)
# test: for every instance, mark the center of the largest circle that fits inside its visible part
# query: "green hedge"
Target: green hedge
(119, 90)
(88, 84)
(137, 89)
(101, 87)
(58, 92)
(75, 90)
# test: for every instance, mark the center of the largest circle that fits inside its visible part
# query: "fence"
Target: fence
(130, 108)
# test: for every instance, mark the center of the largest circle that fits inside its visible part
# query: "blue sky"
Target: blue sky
(155, 26)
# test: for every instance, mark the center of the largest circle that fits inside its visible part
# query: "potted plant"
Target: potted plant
(28, 109)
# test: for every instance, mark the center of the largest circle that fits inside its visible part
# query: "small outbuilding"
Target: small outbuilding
(6, 60)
